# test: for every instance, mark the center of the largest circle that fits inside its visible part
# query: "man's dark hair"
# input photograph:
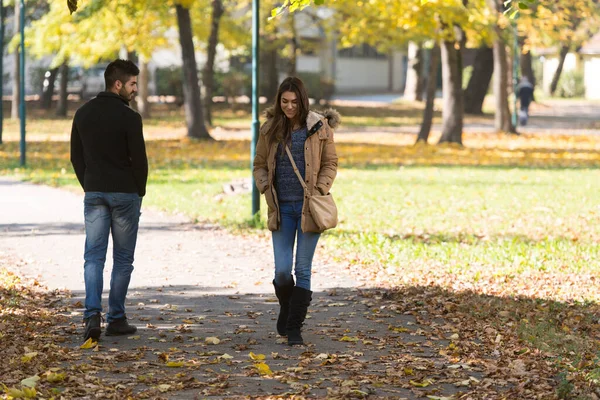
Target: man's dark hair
(119, 70)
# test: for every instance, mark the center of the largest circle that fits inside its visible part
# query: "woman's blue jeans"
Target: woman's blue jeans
(106, 213)
(283, 245)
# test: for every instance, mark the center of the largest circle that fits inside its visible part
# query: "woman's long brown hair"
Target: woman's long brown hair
(280, 129)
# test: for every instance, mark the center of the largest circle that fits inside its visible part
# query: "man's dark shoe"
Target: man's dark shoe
(92, 327)
(120, 327)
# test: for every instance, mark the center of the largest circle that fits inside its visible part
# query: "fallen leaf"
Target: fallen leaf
(263, 369)
(28, 356)
(212, 340)
(31, 381)
(175, 364)
(425, 383)
(88, 344)
(257, 357)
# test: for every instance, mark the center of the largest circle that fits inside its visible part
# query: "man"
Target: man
(525, 95)
(108, 154)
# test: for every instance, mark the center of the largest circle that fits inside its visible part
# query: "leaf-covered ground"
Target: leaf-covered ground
(485, 260)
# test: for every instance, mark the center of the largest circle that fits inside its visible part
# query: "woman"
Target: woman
(309, 137)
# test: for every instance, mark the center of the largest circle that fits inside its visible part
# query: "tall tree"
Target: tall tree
(413, 89)
(194, 115)
(453, 108)
(14, 111)
(562, 55)
(479, 83)
(432, 73)
(143, 105)
(502, 120)
(61, 107)
(209, 69)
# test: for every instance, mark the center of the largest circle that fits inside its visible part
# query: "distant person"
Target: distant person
(309, 136)
(525, 95)
(108, 154)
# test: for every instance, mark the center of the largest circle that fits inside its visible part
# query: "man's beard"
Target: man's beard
(125, 95)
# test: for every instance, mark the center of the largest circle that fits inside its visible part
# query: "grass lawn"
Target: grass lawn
(515, 220)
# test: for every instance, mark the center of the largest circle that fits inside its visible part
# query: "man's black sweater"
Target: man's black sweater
(107, 146)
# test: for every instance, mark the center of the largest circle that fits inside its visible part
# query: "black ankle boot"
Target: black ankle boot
(120, 327)
(92, 327)
(299, 303)
(283, 293)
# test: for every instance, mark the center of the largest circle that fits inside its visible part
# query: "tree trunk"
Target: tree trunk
(143, 105)
(432, 74)
(14, 111)
(48, 91)
(209, 68)
(272, 81)
(191, 89)
(453, 110)
(564, 50)
(526, 67)
(293, 68)
(413, 89)
(502, 121)
(483, 69)
(61, 107)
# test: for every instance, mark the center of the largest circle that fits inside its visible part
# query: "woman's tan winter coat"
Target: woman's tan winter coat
(320, 158)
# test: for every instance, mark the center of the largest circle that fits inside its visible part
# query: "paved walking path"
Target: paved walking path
(192, 282)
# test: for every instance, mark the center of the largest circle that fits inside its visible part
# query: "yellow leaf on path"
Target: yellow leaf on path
(30, 393)
(137, 337)
(188, 321)
(425, 383)
(212, 340)
(263, 369)
(398, 329)
(226, 357)
(16, 393)
(31, 381)
(54, 377)
(88, 344)
(28, 356)
(349, 339)
(164, 387)
(256, 357)
(175, 364)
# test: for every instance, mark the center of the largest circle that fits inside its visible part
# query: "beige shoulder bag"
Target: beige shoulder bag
(322, 207)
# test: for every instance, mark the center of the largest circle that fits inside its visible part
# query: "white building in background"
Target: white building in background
(353, 70)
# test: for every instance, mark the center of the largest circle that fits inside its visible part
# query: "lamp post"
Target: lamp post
(22, 84)
(255, 99)
(2, 17)
(516, 57)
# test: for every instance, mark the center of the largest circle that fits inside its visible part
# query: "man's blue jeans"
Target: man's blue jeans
(283, 246)
(106, 213)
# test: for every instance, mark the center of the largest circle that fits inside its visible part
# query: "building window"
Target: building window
(361, 51)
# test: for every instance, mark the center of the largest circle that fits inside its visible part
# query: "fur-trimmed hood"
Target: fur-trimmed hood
(332, 116)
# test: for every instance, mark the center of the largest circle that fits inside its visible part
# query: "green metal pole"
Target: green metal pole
(515, 74)
(255, 99)
(22, 88)
(2, 18)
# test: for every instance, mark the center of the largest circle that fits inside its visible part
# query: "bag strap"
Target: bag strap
(289, 153)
